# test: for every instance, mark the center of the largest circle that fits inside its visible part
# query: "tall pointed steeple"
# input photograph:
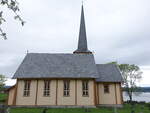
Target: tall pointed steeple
(82, 42)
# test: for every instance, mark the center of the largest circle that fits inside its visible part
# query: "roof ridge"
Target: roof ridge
(49, 53)
(60, 54)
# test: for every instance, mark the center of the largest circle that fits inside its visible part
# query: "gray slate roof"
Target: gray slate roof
(109, 73)
(44, 65)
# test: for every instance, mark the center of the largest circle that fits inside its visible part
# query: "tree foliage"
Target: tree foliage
(132, 75)
(2, 81)
(12, 5)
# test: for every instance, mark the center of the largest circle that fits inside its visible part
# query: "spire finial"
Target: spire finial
(82, 43)
(27, 51)
(82, 2)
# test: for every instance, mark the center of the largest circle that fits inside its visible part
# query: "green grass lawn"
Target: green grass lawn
(125, 109)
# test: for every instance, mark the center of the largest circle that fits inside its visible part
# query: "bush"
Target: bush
(148, 105)
(3, 97)
(135, 102)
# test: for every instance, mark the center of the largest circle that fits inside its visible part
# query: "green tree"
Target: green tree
(12, 5)
(2, 81)
(131, 75)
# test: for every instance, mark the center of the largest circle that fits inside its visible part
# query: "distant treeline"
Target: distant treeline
(144, 89)
(141, 89)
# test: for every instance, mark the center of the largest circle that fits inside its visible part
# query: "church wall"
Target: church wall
(56, 94)
(85, 100)
(113, 97)
(61, 99)
(119, 94)
(106, 98)
(50, 100)
(11, 96)
(20, 99)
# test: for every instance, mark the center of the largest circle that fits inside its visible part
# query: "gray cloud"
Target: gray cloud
(117, 31)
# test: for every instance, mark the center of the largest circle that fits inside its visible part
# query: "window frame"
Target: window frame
(106, 88)
(27, 87)
(66, 88)
(46, 88)
(85, 88)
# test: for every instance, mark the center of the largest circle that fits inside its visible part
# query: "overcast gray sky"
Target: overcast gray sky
(117, 30)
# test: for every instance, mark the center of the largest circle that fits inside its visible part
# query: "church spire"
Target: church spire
(82, 42)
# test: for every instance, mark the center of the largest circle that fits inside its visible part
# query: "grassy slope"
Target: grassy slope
(126, 109)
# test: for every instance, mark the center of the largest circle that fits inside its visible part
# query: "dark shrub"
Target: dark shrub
(148, 105)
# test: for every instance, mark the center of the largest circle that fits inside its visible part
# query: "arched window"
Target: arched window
(66, 88)
(85, 88)
(26, 92)
(46, 88)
